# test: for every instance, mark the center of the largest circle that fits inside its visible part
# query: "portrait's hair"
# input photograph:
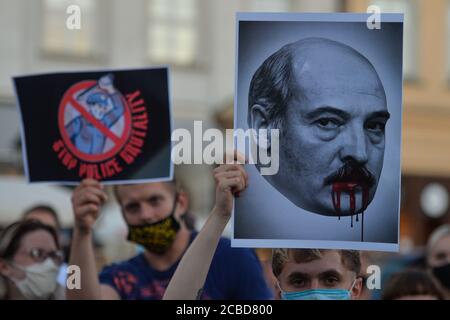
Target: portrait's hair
(349, 258)
(270, 85)
(45, 208)
(411, 283)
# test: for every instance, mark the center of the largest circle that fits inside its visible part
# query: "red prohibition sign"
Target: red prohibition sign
(68, 100)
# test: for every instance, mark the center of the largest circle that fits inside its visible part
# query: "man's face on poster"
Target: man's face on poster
(333, 132)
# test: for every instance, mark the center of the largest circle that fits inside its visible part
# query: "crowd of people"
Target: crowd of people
(180, 262)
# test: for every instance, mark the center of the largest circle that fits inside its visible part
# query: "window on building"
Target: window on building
(173, 31)
(410, 40)
(293, 5)
(270, 5)
(448, 40)
(60, 40)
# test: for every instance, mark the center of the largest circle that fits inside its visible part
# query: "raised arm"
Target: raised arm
(87, 200)
(190, 276)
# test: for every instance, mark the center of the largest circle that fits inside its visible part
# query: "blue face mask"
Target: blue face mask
(318, 294)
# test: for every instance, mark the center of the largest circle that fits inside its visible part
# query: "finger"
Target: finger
(234, 167)
(234, 184)
(238, 156)
(89, 190)
(227, 175)
(244, 174)
(91, 183)
(227, 167)
(85, 198)
(234, 156)
(239, 186)
(88, 209)
(87, 185)
(239, 172)
(98, 192)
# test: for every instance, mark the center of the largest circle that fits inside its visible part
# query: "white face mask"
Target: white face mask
(40, 280)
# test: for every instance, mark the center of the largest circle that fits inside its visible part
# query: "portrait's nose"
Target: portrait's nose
(354, 145)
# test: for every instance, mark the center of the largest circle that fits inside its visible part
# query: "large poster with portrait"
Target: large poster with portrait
(322, 95)
(109, 125)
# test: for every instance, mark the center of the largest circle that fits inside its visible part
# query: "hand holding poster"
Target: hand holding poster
(332, 88)
(109, 126)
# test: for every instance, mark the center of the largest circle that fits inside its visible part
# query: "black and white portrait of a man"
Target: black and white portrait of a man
(332, 109)
(330, 106)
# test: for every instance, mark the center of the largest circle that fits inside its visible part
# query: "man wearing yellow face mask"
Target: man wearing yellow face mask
(154, 213)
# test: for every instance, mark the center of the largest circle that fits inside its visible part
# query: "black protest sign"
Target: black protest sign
(112, 126)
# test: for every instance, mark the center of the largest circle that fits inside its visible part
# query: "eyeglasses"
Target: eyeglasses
(40, 255)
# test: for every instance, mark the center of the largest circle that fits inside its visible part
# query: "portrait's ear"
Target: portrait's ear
(259, 119)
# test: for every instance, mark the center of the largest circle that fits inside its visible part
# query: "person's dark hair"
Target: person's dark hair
(48, 209)
(411, 282)
(350, 258)
(11, 236)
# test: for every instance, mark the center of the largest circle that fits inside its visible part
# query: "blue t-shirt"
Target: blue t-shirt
(235, 273)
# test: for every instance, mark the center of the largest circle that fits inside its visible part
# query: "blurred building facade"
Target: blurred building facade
(197, 39)
(426, 114)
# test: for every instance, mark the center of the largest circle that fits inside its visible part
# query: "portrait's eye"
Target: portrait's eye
(376, 126)
(328, 123)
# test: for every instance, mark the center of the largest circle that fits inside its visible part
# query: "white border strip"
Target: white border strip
(314, 244)
(321, 17)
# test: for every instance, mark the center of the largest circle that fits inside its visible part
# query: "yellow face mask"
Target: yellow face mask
(156, 237)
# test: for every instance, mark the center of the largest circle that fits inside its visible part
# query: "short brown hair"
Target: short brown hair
(412, 282)
(350, 258)
(173, 184)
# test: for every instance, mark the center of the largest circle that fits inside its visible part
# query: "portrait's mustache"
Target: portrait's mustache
(352, 172)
